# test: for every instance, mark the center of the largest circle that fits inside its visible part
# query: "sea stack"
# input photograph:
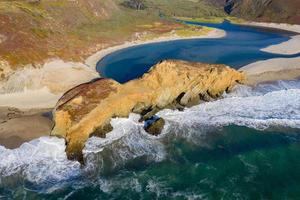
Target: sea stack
(87, 109)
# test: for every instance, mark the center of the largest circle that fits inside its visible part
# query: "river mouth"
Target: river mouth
(245, 145)
(241, 46)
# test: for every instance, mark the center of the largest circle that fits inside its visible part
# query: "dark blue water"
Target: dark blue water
(240, 47)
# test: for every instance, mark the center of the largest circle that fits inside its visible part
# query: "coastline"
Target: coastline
(92, 60)
(44, 99)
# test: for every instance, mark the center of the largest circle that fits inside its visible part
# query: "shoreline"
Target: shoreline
(276, 68)
(290, 47)
(92, 60)
(293, 28)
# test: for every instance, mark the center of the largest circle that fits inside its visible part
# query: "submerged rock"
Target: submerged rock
(86, 110)
(154, 125)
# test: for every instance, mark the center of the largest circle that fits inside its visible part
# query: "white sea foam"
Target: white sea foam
(127, 141)
(43, 162)
(273, 109)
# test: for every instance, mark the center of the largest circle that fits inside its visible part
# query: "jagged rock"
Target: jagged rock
(88, 108)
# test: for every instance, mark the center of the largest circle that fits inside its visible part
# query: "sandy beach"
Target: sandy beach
(279, 68)
(272, 70)
(41, 87)
(279, 26)
(289, 47)
(18, 126)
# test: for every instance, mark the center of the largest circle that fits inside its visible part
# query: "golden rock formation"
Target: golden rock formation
(87, 109)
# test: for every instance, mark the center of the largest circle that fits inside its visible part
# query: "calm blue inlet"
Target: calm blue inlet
(240, 47)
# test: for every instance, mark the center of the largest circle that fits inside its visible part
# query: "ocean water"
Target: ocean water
(245, 145)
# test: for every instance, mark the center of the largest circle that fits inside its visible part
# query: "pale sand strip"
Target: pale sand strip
(29, 99)
(289, 47)
(95, 58)
(272, 70)
(42, 87)
(281, 26)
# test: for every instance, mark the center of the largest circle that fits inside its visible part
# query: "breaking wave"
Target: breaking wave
(42, 164)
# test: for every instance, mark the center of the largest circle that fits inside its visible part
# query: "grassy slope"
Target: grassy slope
(72, 30)
(274, 11)
(185, 8)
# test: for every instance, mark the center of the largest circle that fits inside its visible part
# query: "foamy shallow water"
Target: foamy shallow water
(41, 165)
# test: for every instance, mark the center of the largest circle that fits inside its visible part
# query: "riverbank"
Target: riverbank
(278, 68)
(95, 58)
(280, 26)
(41, 87)
(289, 47)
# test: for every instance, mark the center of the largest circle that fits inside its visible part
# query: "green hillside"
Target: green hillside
(39, 29)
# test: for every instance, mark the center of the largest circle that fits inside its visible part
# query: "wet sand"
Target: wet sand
(272, 70)
(17, 127)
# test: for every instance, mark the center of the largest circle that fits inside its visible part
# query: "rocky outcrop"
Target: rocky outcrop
(87, 109)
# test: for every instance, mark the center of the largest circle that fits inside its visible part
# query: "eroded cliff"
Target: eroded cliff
(86, 110)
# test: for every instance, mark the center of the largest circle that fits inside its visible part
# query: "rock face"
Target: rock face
(86, 110)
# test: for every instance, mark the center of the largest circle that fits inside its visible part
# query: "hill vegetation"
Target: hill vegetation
(35, 30)
(32, 31)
